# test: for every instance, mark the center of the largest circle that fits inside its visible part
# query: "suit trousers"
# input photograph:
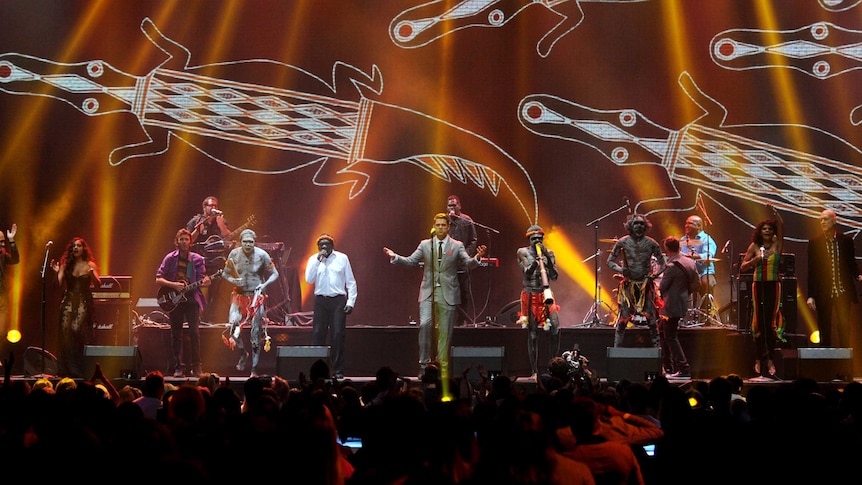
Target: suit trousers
(436, 315)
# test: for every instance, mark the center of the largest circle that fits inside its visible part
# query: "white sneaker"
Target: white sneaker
(679, 375)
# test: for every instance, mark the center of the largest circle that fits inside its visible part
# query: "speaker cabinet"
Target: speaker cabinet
(824, 364)
(788, 303)
(117, 361)
(290, 360)
(113, 321)
(493, 359)
(637, 364)
(743, 303)
(786, 265)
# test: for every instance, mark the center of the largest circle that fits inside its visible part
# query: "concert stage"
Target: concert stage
(712, 351)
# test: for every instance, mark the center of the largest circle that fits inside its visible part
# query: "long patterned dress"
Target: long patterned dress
(76, 325)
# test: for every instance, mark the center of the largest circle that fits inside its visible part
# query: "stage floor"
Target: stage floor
(711, 350)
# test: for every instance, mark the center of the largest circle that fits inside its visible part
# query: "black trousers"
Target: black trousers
(329, 315)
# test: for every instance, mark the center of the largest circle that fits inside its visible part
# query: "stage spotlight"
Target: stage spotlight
(814, 337)
(13, 336)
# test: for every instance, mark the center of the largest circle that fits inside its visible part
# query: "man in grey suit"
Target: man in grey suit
(679, 281)
(439, 293)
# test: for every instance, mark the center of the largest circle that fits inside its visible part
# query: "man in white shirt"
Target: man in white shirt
(334, 297)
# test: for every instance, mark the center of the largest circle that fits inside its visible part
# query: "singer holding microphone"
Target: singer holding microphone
(439, 293)
(762, 258)
(334, 297)
(211, 222)
(76, 271)
(538, 307)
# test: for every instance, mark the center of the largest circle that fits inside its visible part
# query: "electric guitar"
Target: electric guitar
(215, 245)
(168, 299)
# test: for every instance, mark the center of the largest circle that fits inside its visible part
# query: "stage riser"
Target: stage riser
(712, 351)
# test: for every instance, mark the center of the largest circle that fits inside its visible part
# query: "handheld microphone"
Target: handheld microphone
(50, 243)
(217, 212)
(762, 251)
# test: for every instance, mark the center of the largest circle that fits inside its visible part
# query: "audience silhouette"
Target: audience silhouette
(506, 433)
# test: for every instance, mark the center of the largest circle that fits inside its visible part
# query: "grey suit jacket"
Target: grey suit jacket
(680, 279)
(453, 252)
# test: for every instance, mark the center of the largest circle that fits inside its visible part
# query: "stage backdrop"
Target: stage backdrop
(359, 117)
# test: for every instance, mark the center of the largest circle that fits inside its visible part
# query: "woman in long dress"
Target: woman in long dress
(762, 258)
(76, 272)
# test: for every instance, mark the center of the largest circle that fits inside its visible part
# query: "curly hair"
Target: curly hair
(630, 222)
(67, 261)
(756, 237)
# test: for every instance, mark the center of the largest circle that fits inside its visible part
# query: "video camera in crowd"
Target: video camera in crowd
(578, 369)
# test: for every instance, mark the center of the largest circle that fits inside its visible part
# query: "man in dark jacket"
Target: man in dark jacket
(832, 272)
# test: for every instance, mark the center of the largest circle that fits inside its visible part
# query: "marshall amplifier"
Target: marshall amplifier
(113, 310)
(786, 266)
(789, 303)
(114, 288)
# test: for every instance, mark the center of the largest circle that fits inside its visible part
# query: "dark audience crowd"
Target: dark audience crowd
(558, 430)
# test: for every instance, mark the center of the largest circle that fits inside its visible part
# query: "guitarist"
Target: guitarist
(210, 223)
(179, 268)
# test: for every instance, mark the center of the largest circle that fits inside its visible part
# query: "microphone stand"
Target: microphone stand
(731, 306)
(44, 299)
(591, 319)
(483, 226)
(474, 319)
(762, 312)
(712, 310)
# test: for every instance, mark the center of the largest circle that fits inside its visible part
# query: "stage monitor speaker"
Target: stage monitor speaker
(293, 359)
(637, 364)
(34, 357)
(493, 359)
(508, 315)
(824, 364)
(117, 361)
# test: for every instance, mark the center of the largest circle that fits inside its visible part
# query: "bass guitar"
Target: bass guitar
(168, 299)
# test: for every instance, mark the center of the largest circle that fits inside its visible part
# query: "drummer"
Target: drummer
(699, 246)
